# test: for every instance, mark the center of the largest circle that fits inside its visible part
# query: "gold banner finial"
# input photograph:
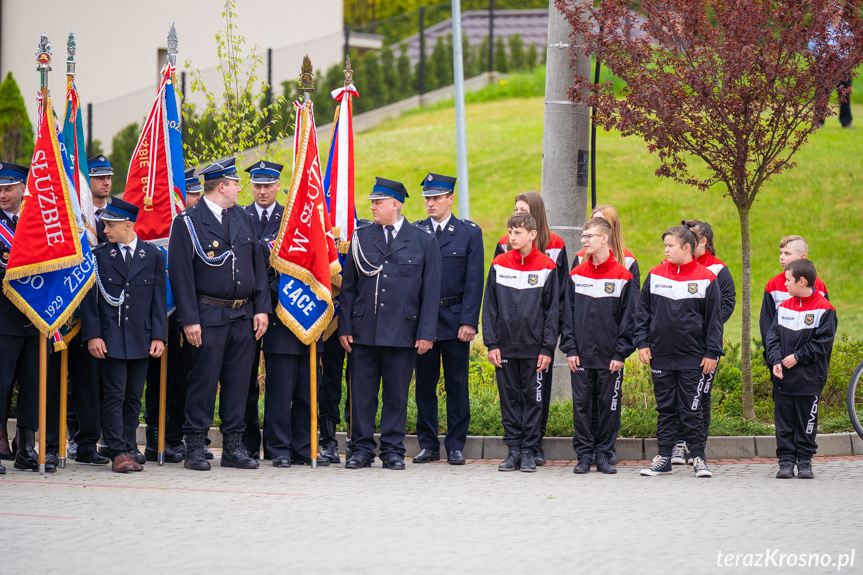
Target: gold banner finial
(349, 73)
(307, 76)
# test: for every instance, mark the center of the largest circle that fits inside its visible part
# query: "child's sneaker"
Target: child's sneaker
(678, 454)
(527, 462)
(786, 471)
(511, 463)
(660, 466)
(539, 457)
(804, 470)
(701, 469)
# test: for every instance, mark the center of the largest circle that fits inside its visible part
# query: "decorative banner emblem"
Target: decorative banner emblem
(609, 287)
(809, 319)
(532, 279)
(692, 287)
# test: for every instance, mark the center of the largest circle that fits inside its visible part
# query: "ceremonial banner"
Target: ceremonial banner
(304, 252)
(156, 182)
(73, 136)
(49, 295)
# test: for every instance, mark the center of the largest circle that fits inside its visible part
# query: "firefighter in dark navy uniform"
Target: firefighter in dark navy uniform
(388, 313)
(266, 215)
(462, 278)
(124, 321)
(219, 282)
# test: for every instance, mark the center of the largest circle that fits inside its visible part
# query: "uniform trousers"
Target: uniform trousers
(595, 392)
(796, 420)
(224, 357)
(455, 356)
(380, 369)
(288, 417)
(521, 390)
(85, 384)
(179, 363)
(123, 386)
(19, 358)
(678, 398)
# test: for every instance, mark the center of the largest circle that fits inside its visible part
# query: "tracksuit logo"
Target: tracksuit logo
(703, 388)
(813, 417)
(616, 395)
(539, 387)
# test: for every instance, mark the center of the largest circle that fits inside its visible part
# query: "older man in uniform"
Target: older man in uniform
(219, 282)
(462, 277)
(179, 364)
(387, 315)
(266, 214)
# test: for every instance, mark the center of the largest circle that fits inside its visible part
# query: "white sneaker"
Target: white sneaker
(701, 469)
(660, 466)
(678, 454)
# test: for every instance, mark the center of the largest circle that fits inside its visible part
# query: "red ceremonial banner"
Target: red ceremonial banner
(46, 238)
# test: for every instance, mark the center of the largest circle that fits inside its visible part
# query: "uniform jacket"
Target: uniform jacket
(12, 321)
(775, 293)
(804, 327)
(273, 223)
(244, 276)
(405, 306)
(725, 282)
(101, 237)
(143, 316)
(598, 317)
(679, 316)
(520, 307)
(630, 263)
(462, 275)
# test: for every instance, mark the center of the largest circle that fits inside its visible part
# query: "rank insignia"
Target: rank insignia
(113, 253)
(450, 228)
(141, 254)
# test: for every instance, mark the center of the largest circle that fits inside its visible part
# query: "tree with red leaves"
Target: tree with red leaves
(735, 85)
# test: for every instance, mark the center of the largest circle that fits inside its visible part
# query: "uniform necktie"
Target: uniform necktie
(264, 221)
(438, 232)
(226, 221)
(128, 257)
(390, 231)
(99, 213)
(14, 222)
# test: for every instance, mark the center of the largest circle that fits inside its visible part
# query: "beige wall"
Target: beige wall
(119, 42)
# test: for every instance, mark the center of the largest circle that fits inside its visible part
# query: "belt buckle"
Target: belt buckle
(238, 303)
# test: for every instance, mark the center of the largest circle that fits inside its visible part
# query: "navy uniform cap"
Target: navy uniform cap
(384, 188)
(224, 168)
(12, 174)
(265, 172)
(100, 166)
(119, 210)
(438, 185)
(193, 184)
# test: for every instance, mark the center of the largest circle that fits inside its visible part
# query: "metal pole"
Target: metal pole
(460, 127)
(64, 408)
(593, 142)
(90, 130)
(490, 35)
(43, 58)
(269, 76)
(421, 71)
(347, 40)
(183, 116)
(565, 159)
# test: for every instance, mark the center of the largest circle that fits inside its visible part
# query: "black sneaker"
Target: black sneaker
(582, 467)
(678, 454)
(613, 459)
(786, 471)
(539, 457)
(659, 466)
(700, 467)
(603, 466)
(804, 470)
(511, 463)
(528, 463)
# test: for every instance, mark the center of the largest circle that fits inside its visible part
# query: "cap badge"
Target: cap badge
(263, 165)
(430, 177)
(1, 166)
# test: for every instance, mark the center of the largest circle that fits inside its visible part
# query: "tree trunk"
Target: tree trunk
(746, 327)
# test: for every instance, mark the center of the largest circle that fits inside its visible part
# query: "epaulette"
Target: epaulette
(363, 224)
(470, 223)
(98, 246)
(423, 228)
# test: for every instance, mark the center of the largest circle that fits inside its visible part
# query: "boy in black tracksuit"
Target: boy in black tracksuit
(597, 338)
(678, 332)
(798, 347)
(519, 327)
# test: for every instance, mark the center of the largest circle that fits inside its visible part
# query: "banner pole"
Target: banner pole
(64, 389)
(43, 403)
(313, 401)
(163, 397)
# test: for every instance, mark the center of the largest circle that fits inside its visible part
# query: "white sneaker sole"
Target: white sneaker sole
(678, 461)
(652, 473)
(703, 474)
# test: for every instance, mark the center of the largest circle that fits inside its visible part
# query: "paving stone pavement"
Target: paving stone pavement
(430, 518)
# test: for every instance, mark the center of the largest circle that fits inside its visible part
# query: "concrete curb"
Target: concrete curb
(628, 448)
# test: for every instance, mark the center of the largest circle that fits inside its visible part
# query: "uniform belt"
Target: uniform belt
(231, 303)
(450, 300)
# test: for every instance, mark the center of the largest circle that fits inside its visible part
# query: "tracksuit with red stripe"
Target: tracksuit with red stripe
(775, 293)
(520, 318)
(679, 320)
(556, 250)
(804, 327)
(597, 328)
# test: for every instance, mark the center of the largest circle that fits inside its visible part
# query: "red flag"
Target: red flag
(46, 238)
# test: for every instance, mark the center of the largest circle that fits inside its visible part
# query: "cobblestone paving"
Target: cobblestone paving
(432, 518)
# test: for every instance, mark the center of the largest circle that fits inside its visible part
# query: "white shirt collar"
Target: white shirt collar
(10, 215)
(443, 224)
(260, 210)
(215, 208)
(398, 224)
(133, 244)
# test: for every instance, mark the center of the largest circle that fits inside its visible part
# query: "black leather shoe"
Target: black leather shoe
(604, 466)
(394, 462)
(427, 456)
(103, 450)
(26, 458)
(582, 467)
(138, 456)
(282, 462)
(539, 457)
(207, 453)
(511, 463)
(613, 459)
(52, 458)
(92, 458)
(171, 456)
(194, 458)
(71, 450)
(357, 461)
(234, 453)
(330, 452)
(2, 470)
(527, 462)
(455, 457)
